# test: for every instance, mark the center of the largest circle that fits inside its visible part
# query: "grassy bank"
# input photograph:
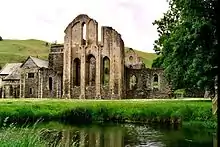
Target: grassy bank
(77, 111)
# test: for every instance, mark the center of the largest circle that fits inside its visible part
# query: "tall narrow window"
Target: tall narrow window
(106, 71)
(76, 73)
(90, 70)
(50, 83)
(11, 90)
(30, 91)
(155, 81)
(132, 82)
(83, 33)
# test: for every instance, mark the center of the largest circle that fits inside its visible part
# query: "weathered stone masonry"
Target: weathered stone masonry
(86, 68)
(84, 58)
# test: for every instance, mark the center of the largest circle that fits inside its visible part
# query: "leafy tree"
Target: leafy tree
(1, 38)
(187, 43)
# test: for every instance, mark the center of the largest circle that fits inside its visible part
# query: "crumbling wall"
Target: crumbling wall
(113, 48)
(81, 43)
(138, 88)
(56, 58)
(51, 84)
(132, 60)
(144, 85)
(10, 89)
(163, 88)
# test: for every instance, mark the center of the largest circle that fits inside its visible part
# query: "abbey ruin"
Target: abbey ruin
(84, 68)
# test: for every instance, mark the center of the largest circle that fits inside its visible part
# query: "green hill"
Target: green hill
(19, 50)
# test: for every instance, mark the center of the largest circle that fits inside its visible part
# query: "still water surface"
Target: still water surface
(125, 135)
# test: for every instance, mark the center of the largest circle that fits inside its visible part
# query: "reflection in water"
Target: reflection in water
(124, 136)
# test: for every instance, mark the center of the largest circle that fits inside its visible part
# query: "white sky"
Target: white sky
(47, 19)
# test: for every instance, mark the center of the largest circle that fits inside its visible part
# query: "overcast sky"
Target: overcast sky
(47, 19)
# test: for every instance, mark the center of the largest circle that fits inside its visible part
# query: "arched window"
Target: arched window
(132, 82)
(131, 58)
(106, 71)
(76, 72)
(155, 81)
(50, 83)
(91, 70)
(83, 33)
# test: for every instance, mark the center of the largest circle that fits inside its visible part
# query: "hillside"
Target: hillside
(19, 50)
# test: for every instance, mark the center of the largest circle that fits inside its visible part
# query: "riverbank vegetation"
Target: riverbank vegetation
(187, 44)
(90, 111)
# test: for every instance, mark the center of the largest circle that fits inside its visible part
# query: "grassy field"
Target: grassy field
(19, 50)
(84, 111)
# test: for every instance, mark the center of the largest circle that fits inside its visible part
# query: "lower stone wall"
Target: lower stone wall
(140, 84)
(90, 92)
(105, 92)
(76, 92)
(138, 94)
(159, 95)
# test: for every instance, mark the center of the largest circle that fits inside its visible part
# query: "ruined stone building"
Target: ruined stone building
(84, 67)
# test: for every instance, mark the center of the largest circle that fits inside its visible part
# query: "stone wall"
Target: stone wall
(140, 83)
(51, 84)
(29, 82)
(80, 45)
(55, 58)
(132, 60)
(10, 89)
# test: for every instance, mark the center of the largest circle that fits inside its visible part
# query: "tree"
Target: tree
(187, 43)
(1, 38)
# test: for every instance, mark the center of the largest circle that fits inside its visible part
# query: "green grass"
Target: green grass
(19, 50)
(21, 137)
(87, 111)
(28, 136)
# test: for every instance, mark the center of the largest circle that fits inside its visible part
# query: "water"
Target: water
(125, 135)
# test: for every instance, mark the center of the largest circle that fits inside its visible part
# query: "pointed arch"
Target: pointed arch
(105, 70)
(76, 72)
(155, 81)
(90, 70)
(132, 82)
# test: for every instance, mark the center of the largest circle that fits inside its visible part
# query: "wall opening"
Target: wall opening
(133, 82)
(155, 82)
(90, 70)
(10, 90)
(84, 33)
(50, 83)
(106, 71)
(30, 75)
(131, 58)
(76, 72)
(30, 91)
